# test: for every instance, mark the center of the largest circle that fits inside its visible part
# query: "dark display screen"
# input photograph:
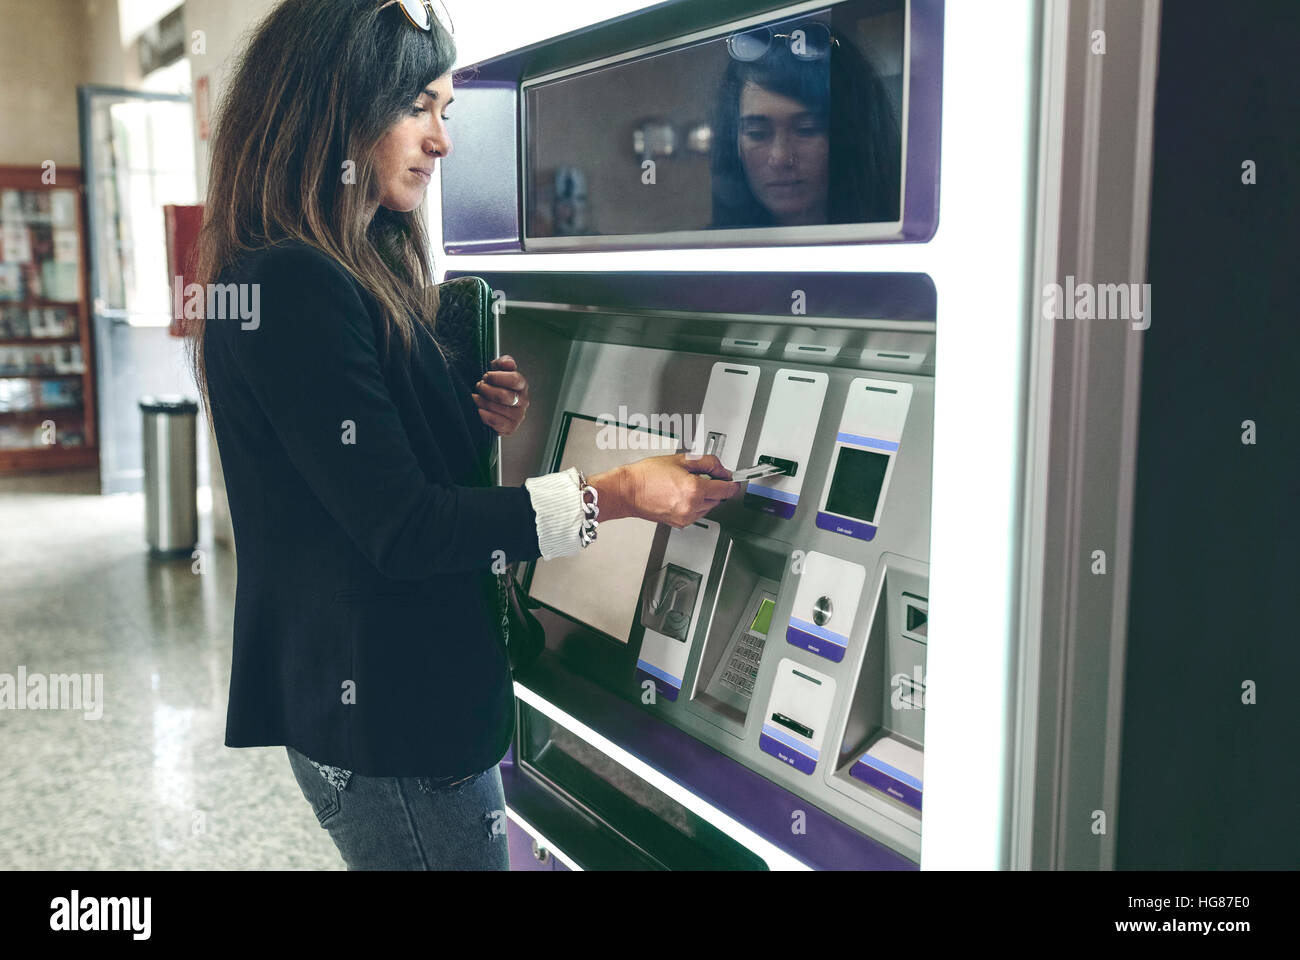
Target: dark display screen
(793, 122)
(855, 490)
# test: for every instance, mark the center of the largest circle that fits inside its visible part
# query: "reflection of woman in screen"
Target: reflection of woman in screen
(804, 133)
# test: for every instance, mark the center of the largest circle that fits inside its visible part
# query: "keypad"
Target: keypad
(742, 667)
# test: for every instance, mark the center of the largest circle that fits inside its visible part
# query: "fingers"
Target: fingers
(508, 410)
(502, 386)
(707, 495)
(498, 422)
(505, 379)
(709, 463)
(501, 418)
(715, 480)
(513, 411)
(719, 490)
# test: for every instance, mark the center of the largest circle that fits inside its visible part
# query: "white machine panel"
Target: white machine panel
(728, 402)
(671, 602)
(794, 724)
(793, 411)
(862, 462)
(826, 605)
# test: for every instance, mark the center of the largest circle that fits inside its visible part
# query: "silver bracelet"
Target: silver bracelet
(590, 511)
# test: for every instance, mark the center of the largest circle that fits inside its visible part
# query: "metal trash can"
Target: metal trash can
(171, 514)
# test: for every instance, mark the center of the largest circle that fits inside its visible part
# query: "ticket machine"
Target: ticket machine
(779, 643)
(751, 691)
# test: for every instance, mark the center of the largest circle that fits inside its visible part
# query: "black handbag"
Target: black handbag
(466, 332)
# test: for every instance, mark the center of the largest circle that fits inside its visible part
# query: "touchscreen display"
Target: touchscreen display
(792, 122)
(855, 489)
(601, 584)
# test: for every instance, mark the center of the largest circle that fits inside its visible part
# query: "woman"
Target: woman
(804, 133)
(365, 640)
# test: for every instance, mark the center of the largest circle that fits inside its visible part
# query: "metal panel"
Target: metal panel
(1093, 203)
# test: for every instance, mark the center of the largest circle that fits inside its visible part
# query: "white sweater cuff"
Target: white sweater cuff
(557, 501)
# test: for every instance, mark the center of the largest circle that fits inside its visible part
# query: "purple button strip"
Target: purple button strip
(664, 686)
(813, 643)
(778, 745)
(850, 528)
(886, 783)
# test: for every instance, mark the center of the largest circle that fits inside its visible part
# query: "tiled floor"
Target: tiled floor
(150, 784)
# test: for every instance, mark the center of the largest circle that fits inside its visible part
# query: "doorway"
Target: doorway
(137, 154)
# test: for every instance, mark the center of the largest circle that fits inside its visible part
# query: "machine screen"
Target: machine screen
(687, 139)
(763, 619)
(594, 585)
(855, 490)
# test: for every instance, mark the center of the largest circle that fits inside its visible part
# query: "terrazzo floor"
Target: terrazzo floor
(150, 784)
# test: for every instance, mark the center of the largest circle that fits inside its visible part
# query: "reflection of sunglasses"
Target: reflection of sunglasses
(807, 41)
(421, 13)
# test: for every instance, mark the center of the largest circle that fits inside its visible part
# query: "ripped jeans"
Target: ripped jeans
(409, 823)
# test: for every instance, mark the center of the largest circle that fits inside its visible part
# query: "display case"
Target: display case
(47, 396)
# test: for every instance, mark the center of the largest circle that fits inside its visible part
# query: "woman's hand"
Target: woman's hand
(672, 489)
(502, 396)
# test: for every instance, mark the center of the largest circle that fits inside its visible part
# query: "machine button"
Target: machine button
(822, 610)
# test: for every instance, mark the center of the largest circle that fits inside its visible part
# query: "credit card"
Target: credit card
(756, 472)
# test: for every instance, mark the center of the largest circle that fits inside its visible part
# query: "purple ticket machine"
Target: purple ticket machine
(747, 692)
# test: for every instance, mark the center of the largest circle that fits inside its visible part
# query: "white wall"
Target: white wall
(47, 48)
(224, 24)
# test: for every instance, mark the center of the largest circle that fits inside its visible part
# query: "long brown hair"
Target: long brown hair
(314, 91)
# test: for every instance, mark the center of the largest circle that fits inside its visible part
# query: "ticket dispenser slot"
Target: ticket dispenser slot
(794, 721)
(789, 426)
(670, 606)
(825, 605)
(882, 753)
(862, 460)
(724, 417)
(740, 630)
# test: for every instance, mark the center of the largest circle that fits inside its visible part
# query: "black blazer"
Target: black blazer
(364, 633)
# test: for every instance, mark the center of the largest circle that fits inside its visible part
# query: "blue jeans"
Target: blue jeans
(410, 823)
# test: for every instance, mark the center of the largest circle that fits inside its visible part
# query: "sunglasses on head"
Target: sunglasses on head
(807, 41)
(422, 13)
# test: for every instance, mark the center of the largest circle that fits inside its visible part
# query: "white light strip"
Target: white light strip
(773, 856)
(981, 261)
(541, 839)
